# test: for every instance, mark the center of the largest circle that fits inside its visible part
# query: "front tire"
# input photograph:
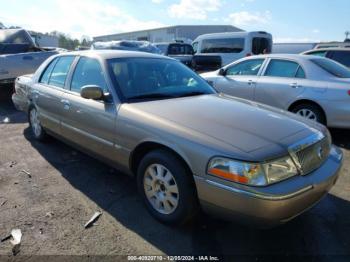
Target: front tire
(167, 188)
(35, 125)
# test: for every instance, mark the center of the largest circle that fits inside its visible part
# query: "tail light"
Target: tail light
(349, 92)
(248, 54)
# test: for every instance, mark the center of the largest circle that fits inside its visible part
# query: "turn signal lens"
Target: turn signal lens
(229, 176)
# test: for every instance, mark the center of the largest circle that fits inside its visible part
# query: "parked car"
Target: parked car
(345, 44)
(180, 51)
(19, 55)
(233, 46)
(187, 145)
(205, 63)
(316, 88)
(292, 48)
(130, 45)
(341, 55)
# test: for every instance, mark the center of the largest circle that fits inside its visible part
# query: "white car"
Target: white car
(314, 87)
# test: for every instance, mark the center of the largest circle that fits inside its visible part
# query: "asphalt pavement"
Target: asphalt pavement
(50, 190)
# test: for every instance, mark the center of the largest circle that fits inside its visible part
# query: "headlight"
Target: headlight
(280, 169)
(253, 174)
(329, 136)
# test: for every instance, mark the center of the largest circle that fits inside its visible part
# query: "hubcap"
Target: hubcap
(161, 189)
(307, 113)
(35, 122)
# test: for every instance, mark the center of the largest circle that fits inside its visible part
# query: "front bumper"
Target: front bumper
(271, 205)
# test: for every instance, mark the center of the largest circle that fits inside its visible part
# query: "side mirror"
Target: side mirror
(222, 72)
(92, 92)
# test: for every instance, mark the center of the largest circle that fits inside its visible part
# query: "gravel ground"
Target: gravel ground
(50, 190)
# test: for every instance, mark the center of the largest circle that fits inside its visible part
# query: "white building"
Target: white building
(165, 34)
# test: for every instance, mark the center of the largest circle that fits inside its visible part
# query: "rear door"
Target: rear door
(240, 78)
(48, 92)
(90, 123)
(282, 81)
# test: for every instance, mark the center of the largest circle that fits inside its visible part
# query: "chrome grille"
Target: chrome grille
(312, 156)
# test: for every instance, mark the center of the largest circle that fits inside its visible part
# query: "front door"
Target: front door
(240, 79)
(90, 123)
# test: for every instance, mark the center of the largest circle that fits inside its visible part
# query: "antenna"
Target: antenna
(347, 33)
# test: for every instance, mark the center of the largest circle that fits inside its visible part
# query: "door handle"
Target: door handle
(251, 82)
(294, 85)
(66, 104)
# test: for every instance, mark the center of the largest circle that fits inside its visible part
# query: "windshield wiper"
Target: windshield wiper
(151, 96)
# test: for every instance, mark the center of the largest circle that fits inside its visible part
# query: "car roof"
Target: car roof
(110, 54)
(283, 56)
(231, 34)
(170, 43)
(294, 57)
(329, 49)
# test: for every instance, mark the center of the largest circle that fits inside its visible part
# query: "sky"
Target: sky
(288, 21)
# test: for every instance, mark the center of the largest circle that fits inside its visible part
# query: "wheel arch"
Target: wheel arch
(147, 146)
(307, 101)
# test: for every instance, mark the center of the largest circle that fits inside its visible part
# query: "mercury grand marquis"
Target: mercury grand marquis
(189, 147)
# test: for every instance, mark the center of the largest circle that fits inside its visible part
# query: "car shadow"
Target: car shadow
(341, 137)
(9, 114)
(323, 231)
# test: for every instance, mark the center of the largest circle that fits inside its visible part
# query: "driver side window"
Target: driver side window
(247, 68)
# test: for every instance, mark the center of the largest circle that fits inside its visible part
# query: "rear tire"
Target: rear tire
(35, 125)
(311, 112)
(167, 188)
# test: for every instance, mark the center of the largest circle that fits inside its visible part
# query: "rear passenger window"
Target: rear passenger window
(46, 75)
(60, 71)
(261, 45)
(283, 68)
(223, 45)
(88, 72)
(342, 57)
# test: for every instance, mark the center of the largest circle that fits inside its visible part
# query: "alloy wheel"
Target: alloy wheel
(35, 123)
(161, 189)
(307, 113)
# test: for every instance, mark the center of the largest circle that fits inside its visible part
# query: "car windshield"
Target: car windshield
(155, 78)
(332, 67)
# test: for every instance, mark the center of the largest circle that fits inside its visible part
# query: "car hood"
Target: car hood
(209, 74)
(240, 123)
